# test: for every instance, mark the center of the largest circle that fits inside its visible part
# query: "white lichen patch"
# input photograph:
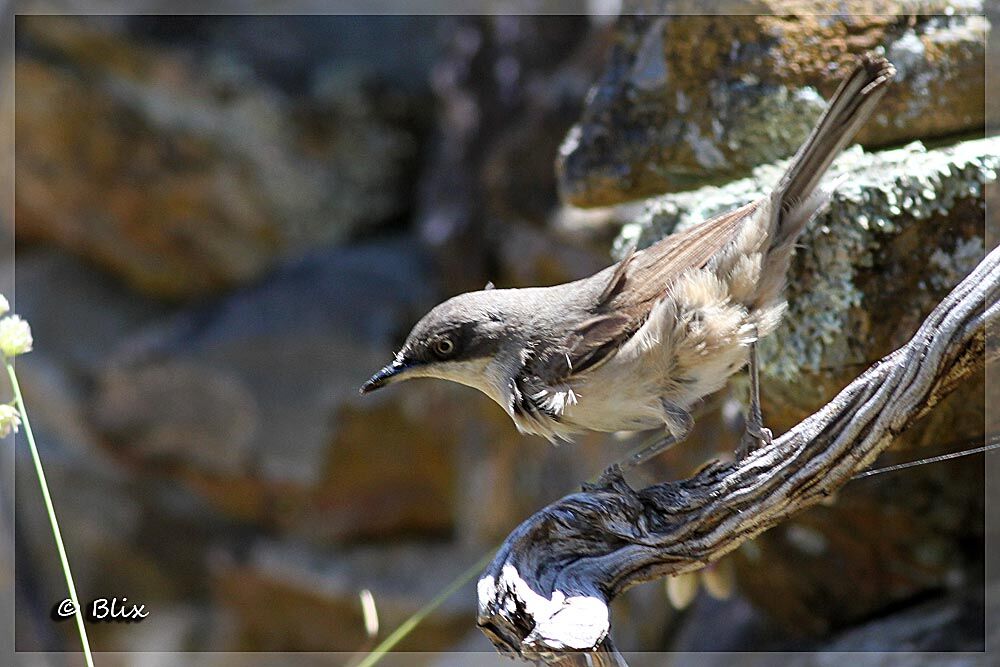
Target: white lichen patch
(650, 69)
(705, 151)
(773, 124)
(926, 58)
(952, 265)
(876, 196)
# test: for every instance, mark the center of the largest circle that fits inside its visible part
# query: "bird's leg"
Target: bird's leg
(679, 424)
(646, 451)
(634, 459)
(755, 434)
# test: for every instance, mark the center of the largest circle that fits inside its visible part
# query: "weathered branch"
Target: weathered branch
(545, 596)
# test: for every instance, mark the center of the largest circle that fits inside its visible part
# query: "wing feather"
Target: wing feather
(634, 286)
(652, 271)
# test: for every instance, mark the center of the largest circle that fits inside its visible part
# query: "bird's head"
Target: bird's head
(456, 341)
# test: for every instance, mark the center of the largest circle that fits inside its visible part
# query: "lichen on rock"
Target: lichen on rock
(877, 196)
(189, 173)
(685, 99)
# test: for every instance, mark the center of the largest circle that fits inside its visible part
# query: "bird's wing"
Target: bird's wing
(633, 287)
(647, 274)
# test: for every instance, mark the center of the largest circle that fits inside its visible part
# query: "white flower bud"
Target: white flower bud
(719, 579)
(682, 589)
(10, 420)
(15, 336)
(4, 305)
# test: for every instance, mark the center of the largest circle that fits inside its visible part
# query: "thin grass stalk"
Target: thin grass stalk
(53, 522)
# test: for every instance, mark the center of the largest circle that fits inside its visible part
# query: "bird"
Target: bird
(637, 345)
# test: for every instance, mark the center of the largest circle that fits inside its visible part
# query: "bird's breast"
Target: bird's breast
(618, 395)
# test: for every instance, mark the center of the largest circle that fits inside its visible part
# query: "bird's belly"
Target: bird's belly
(616, 397)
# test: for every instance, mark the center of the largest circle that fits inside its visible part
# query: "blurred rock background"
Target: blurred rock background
(225, 223)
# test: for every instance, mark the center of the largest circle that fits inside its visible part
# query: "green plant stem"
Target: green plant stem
(19, 401)
(413, 621)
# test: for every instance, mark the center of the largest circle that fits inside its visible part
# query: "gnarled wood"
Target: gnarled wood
(545, 596)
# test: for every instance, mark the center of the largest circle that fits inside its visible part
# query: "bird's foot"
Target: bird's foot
(754, 437)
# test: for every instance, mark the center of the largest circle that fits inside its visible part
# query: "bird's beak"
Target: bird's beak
(387, 375)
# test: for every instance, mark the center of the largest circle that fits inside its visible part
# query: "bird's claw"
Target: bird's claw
(754, 437)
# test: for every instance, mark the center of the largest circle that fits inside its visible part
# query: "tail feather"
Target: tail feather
(796, 197)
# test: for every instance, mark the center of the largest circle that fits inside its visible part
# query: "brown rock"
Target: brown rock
(252, 403)
(932, 632)
(387, 474)
(185, 176)
(689, 99)
(885, 541)
(506, 89)
(179, 413)
(286, 598)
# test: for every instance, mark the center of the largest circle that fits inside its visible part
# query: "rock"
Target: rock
(120, 528)
(388, 472)
(955, 623)
(252, 403)
(902, 229)
(291, 51)
(288, 597)
(58, 288)
(690, 99)
(54, 375)
(127, 534)
(736, 626)
(186, 173)
(179, 412)
(98, 513)
(166, 628)
(942, 630)
(884, 542)
(94, 496)
(532, 256)
(506, 89)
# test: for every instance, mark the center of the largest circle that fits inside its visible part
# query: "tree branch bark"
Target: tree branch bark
(545, 596)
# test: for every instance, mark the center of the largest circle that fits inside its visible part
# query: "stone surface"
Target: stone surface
(503, 99)
(56, 289)
(885, 541)
(943, 630)
(253, 404)
(688, 99)
(77, 317)
(285, 597)
(735, 625)
(185, 173)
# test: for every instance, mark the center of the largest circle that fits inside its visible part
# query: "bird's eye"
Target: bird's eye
(444, 346)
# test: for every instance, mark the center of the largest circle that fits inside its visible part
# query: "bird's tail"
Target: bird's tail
(796, 197)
